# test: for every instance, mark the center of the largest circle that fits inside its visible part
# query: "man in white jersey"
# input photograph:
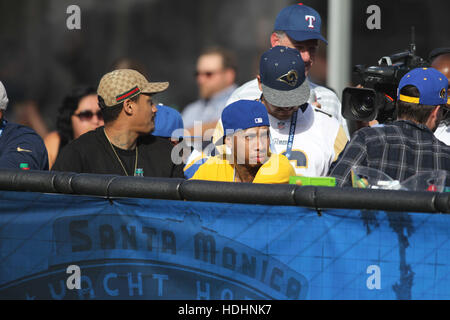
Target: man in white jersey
(309, 137)
(298, 26)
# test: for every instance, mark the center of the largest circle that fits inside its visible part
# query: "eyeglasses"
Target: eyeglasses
(88, 115)
(207, 74)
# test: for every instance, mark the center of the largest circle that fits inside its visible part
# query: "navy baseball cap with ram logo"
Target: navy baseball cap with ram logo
(300, 23)
(283, 79)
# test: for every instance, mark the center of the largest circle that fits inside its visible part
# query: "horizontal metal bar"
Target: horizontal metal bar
(209, 191)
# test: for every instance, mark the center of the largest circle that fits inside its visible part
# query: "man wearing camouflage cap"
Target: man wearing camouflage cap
(123, 146)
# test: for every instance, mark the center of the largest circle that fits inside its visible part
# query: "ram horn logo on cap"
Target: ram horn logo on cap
(442, 93)
(290, 78)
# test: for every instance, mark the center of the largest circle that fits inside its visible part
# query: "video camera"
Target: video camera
(377, 99)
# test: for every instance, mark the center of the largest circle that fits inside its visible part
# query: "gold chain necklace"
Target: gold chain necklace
(118, 158)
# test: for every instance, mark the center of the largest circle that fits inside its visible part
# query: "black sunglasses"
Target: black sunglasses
(207, 74)
(88, 115)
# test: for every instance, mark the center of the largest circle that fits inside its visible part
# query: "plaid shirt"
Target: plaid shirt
(400, 149)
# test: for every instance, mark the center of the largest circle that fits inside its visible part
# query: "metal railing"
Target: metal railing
(111, 186)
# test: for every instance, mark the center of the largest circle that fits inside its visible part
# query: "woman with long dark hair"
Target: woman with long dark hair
(78, 114)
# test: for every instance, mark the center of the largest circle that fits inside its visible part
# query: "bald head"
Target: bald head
(442, 63)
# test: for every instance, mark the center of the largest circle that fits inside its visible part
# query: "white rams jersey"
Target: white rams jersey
(318, 140)
(328, 100)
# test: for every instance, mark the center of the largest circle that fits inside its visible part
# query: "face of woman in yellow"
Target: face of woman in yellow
(250, 147)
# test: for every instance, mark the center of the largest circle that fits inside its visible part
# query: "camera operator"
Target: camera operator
(440, 60)
(406, 146)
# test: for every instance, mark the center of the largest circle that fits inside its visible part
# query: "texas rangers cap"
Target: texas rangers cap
(121, 84)
(3, 97)
(431, 83)
(243, 114)
(282, 73)
(300, 22)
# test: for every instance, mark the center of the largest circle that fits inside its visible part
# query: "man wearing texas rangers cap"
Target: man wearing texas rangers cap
(123, 146)
(248, 159)
(406, 146)
(298, 26)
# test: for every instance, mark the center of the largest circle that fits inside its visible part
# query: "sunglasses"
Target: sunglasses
(207, 74)
(88, 115)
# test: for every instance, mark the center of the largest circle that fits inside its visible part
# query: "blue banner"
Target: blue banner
(160, 249)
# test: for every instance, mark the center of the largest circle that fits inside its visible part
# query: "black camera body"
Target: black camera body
(377, 99)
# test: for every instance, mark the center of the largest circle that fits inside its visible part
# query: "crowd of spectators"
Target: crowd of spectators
(279, 124)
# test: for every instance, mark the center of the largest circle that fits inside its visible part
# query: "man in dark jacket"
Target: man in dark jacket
(20, 146)
(405, 147)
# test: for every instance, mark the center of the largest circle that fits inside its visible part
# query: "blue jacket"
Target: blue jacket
(20, 144)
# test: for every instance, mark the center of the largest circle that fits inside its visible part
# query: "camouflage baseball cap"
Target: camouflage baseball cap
(121, 84)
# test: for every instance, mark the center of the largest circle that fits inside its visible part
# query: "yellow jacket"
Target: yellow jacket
(276, 170)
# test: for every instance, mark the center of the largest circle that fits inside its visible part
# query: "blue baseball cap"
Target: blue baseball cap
(431, 83)
(167, 120)
(300, 23)
(243, 114)
(282, 73)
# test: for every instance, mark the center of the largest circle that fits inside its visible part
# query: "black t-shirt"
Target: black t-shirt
(128, 159)
(92, 153)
